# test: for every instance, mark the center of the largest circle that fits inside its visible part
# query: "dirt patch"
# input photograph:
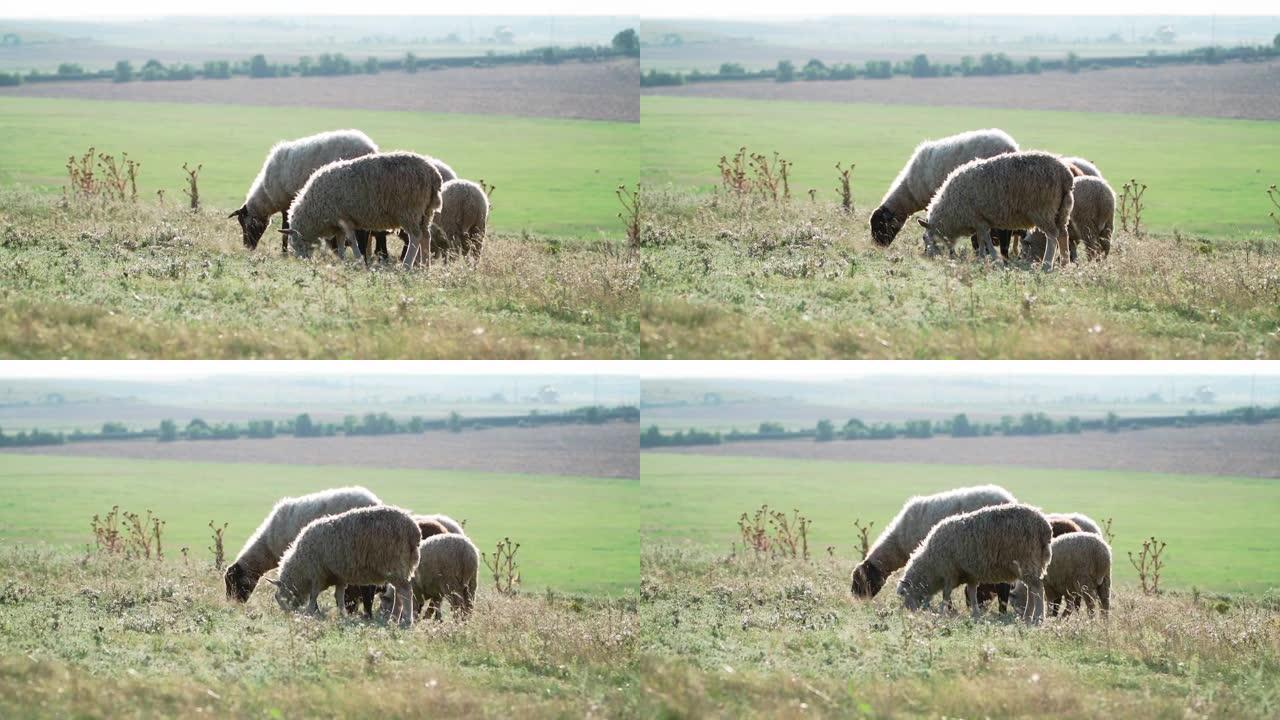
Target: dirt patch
(1233, 90)
(586, 91)
(610, 450)
(1237, 450)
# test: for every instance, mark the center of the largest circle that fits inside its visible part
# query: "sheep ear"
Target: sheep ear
(923, 223)
(273, 581)
(239, 213)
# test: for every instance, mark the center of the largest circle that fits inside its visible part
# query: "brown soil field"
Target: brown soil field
(1232, 90)
(1236, 450)
(586, 91)
(610, 450)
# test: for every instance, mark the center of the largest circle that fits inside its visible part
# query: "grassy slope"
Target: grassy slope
(724, 278)
(143, 281)
(115, 638)
(684, 138)
(592, 545)
(1215, 526)
(783, 640)
(553, 177)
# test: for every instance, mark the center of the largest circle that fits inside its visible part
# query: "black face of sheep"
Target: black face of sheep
(885, 226)
(251, 227)
(867, 580)
(240, 583)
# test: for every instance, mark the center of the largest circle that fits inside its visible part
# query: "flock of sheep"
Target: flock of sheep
(979, 183)
(337, 187)
(982, 538)
(349, 540)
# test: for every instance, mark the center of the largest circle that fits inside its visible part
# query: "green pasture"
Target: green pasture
(1218, 529)
(552, 176)
(1205, 176)
(575, 534)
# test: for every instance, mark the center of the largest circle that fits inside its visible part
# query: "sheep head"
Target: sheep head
(885, 226)
(240, 582)
(286, 598)
(867, 580)
(251, 226)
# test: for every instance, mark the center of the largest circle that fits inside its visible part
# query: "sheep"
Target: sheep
(288, 165)
(1084, 167)
(449, 523)
(448, 568)
(366, 546)
(1092, 220)
(1060, 525)
(913, 522)
(1001, 543)
(1084, 522)
(460, 224)
(1015, 190)
(1080, 569)
(446, 174)
(375, 192)
(363, 594)
(263, 549)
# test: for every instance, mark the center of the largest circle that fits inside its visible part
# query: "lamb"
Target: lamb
(363, 595)
(913, 522)
(1092, 220)
(447, 569)
(460, 224)
(375, 192)
(288, 165)
(1080, 569)
(1015, 190)
(1060, 525)
(263, 549)
(930, 165)
(1002, 543)
(365, 546)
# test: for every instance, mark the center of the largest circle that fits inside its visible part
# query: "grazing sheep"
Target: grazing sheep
(362, 595)
(1060, 525)
(448, 568)
(1085, 523)
(913, 522)
(288, 165)
(365, 546)
(1092, 220)
(1016, 190)
(1084, 167)
(375, 192)
(446, 174)
(1080, 569)
(263, 549)
(460, 224)
(995, 544)
(449, 523)
(930, 165)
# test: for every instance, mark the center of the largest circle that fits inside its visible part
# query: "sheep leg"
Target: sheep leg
(433, 609)
(284, 239)
(340, 598)
(313, 607)
(381, 249)
(1050, 249)
(405, 593)
(413, 248)
(988, 250)
(1104, 596)
(971, 596)
(1035, 601)
(1002, 592)
(362, 245)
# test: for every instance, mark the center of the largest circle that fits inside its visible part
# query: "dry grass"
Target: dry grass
(731, 278)
(101, 636)
(122, 281)
(778, 639)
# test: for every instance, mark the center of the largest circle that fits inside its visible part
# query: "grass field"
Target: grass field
(728, 278)
(149, 282)
(553, 177)
(1205, 176)
(592, 547)
(1215, 526)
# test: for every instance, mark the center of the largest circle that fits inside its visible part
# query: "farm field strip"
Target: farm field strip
(1216, 526)
(591, 547)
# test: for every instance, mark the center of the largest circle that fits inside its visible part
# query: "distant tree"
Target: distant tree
(410, 63)
(1276, 42)
(771, 428)
(124, 71)
(153, 70)
(168, 431)
(10, 79)
(920, 67)
(732, 69)
(815, 69)
(371, 66)
(960, 427)
(114, 428)
(786, 71)
(1033, 65)
(302, 426)
(627, 42)
(258, 67)
(1113, 423)
(455, 422)
(1073, 425)
(1073, 63)
(66, 69)
(417, 424)
(826, 432)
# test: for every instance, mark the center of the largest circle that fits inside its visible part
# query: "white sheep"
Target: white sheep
(1080, 569)
(913, 522)
(1012, 191)
(263, 549)
(997, 544)
(1092, 220)
(447, 568)
(446, 174)
(365, 546)
(460, 224)
(289, 164)
(376, 192)
(925, 172)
